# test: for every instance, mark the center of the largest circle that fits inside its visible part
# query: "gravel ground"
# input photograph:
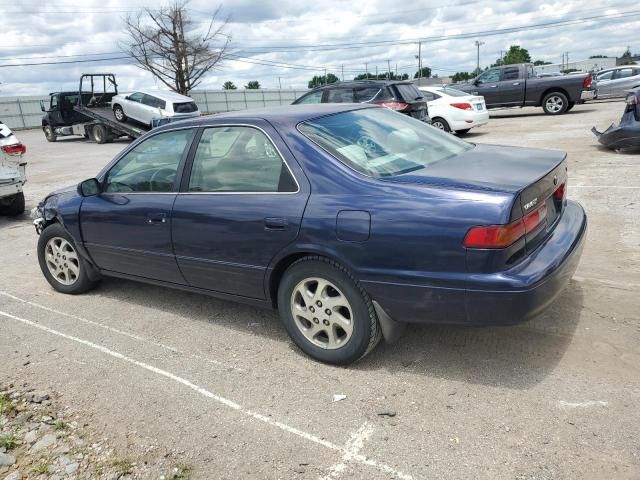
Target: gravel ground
(220, 388)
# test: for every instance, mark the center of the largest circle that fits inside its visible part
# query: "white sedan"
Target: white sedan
(452, 110)
(149, 106)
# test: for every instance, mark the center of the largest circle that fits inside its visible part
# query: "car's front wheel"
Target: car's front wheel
(326, 312)
(61, 264)
(118, 112)
(48, 133)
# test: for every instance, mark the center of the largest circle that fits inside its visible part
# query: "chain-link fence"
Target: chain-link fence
(24, 112)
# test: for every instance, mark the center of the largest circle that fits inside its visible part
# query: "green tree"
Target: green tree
(424, 72)
(252, 85)
(319, 80)
(541, 62)
(598, 56)
(461, 76)
(229, 85)
(626, 58)
(516, 54)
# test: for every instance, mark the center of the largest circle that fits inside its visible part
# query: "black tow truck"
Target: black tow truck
(86, 112)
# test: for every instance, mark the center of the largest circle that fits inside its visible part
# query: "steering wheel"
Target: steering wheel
(118, 187)
(368, 144)
(157, 172)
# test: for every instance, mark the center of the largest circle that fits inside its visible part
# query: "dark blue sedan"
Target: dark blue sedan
(352, 220)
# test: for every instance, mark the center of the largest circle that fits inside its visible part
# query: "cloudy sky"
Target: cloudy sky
(302, 38)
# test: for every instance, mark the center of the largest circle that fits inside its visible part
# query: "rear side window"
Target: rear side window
(365, 94)
(340, 95)
(625, 73)
(315, 97)
(385, 95)
(239, 160)
(408, 92)
(154, 102)
(185, 107)
(452, 92)
(429, 96)
(510, 73)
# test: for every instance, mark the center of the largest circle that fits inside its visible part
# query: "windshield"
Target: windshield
(380, 143)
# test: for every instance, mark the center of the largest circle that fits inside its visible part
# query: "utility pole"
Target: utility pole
(567, 55)
(419, 60)
(396, 71)
(366, 71)
(325, 77)
(279, 83)
(388, 69)
(342, 68)
(478, 44)
(376, 72)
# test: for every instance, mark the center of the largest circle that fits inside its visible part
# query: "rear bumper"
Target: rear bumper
(470, 120)
(503, 298)
(587, 95)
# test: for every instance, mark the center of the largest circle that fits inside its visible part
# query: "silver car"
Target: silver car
(616, 82)
(153, 107)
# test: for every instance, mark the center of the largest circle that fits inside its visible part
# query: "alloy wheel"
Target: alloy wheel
(438, 124)
(119, 114)
(555, 104)
(322, 313)
(62, 261)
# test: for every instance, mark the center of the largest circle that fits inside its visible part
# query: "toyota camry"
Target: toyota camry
(352, 220)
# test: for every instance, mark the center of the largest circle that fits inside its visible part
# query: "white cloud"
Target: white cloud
(93, 27)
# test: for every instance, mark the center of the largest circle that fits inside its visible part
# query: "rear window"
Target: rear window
(380, 143)
(186, 107)
(452, 92)
(408, 91)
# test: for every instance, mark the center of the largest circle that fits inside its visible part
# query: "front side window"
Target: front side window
(239, 160)
(150, 166)
(381, 143)
(605, 76)
(315, 97)
(490, 76)
(136, 97)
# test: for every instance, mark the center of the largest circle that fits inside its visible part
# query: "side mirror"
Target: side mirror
(42, 107)
(127, 97)
(89, 188)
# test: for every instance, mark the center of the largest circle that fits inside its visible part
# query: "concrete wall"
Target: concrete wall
(24, 112)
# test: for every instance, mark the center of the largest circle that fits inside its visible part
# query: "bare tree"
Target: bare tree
(175, 49)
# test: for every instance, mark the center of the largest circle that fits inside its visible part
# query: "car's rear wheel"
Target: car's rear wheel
(48, 133)
(441, 124)
(119, 114)
(555, 103)
(13, 205)
(61, 264)
(326, 312)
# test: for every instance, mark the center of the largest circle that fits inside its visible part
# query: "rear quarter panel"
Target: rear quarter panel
(537, 88)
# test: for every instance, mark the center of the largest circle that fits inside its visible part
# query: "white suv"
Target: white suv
(153, 107)
(12, 172)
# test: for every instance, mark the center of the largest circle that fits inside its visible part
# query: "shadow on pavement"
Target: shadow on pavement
(510, 113)
(516, 357)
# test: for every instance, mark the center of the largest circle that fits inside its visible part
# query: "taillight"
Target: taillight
(586, 83)
(501, 236)
(558, 195)
(397, 106)
(15, 149)
(462, 106)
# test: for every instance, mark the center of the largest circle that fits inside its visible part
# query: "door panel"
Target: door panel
(241, 206)
(487, 86)
(511, 87)
(133, 106)
(127, 228)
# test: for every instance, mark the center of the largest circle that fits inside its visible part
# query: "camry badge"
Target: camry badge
(532, 203)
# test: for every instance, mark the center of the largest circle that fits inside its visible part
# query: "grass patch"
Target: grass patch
(8, 441)
(42, 468)
(5, 405)
(122, 465)
(60, 425)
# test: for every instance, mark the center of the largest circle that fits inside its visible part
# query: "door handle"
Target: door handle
(516, 84)
(155, 218)
(275, 223)
(494, 86)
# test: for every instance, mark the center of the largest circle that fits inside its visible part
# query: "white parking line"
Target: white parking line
(352, 448)
(346, 451)
(122, 332)
(605, 186)
(589, 403)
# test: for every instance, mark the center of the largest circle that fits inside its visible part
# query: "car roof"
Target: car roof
(364, 83)
(167, 95)
(286, 115)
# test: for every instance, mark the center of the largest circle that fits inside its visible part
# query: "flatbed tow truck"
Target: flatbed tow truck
(87, 112)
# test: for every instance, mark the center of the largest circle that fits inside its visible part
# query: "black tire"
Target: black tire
(555, 103)
(119, 114)
(570, 106)
(441, 124)
(12, 206)
(83, 282)
(464, 131)
(100, 134)
(366, 330)
(48, 133)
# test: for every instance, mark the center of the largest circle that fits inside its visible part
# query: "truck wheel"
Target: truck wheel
(555, 103)
(13, 205)
(119, 114)
(100, 134)
(48, 133)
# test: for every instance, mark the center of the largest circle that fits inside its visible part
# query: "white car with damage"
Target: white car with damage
(12, 172)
